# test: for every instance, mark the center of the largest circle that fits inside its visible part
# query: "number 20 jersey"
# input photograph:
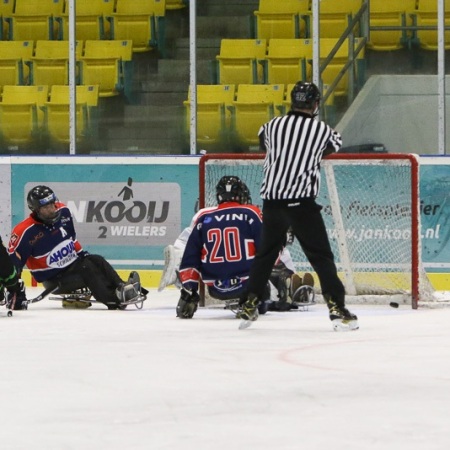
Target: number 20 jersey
(222, 244)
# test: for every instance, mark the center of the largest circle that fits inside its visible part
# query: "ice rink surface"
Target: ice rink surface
(125, 380)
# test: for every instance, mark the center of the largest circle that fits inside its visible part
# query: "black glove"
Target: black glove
(188, 303)
(15, 296)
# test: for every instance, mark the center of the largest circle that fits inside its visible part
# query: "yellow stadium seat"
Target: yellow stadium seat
(6, 7)
(141, 21)
(238, 61)
(33, 7)
(90, 19)
(156, 7)
(176, 4)
(50, 63)
(431, 5)
(255, 104)
(57, 113)
(33, 20)
(107, 64)
(335, 16)
(426, 15)
(280, 19)
(13, 56)
(26, 94)
(382, 6)
(213, 115)
(390, 13)
(286, 60)
(6, 10)
(21, 118)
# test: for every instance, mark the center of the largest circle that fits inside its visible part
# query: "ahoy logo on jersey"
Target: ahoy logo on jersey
(62, 255)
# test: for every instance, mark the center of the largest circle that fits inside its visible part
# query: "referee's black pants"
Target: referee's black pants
(305, 218)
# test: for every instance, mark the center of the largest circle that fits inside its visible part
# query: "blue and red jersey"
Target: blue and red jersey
(45, 249)
(222, 246)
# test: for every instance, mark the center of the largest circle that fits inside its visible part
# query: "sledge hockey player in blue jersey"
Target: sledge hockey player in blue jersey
(220, 250)
(12, 288)
(47, 244)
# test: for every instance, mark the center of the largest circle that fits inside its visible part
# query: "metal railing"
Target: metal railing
(361, 17)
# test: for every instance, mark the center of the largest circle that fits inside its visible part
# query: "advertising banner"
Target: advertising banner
(435, 213)
(129, 208)
(126, 209)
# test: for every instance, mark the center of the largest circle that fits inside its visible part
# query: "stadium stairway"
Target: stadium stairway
(151, 122)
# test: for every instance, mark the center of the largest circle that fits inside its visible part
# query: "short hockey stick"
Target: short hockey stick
(43, 294)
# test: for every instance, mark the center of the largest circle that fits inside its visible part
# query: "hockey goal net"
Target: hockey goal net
(371, 211)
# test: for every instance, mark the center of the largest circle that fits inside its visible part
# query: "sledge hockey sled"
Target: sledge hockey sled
(303, 296)
(73, 290)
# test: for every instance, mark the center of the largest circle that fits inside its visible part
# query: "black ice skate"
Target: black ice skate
(249, 312)
(341, 317)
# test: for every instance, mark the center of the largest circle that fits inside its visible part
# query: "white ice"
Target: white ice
(125, 380)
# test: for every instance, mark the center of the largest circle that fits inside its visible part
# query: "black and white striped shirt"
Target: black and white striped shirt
(295, 144)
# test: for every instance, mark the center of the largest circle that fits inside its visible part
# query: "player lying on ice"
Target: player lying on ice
(46, 243)
(12, 288)
(219, 247)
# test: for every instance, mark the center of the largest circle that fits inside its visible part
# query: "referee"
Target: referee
(295, 145)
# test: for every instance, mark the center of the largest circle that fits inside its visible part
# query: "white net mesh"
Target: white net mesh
(368, 208)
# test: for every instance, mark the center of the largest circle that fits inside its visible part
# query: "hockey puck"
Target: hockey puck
(393, 304)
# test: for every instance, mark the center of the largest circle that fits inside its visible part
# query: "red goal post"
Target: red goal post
(371, 210)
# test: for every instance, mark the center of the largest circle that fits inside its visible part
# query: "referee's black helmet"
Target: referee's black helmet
(305, 95)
